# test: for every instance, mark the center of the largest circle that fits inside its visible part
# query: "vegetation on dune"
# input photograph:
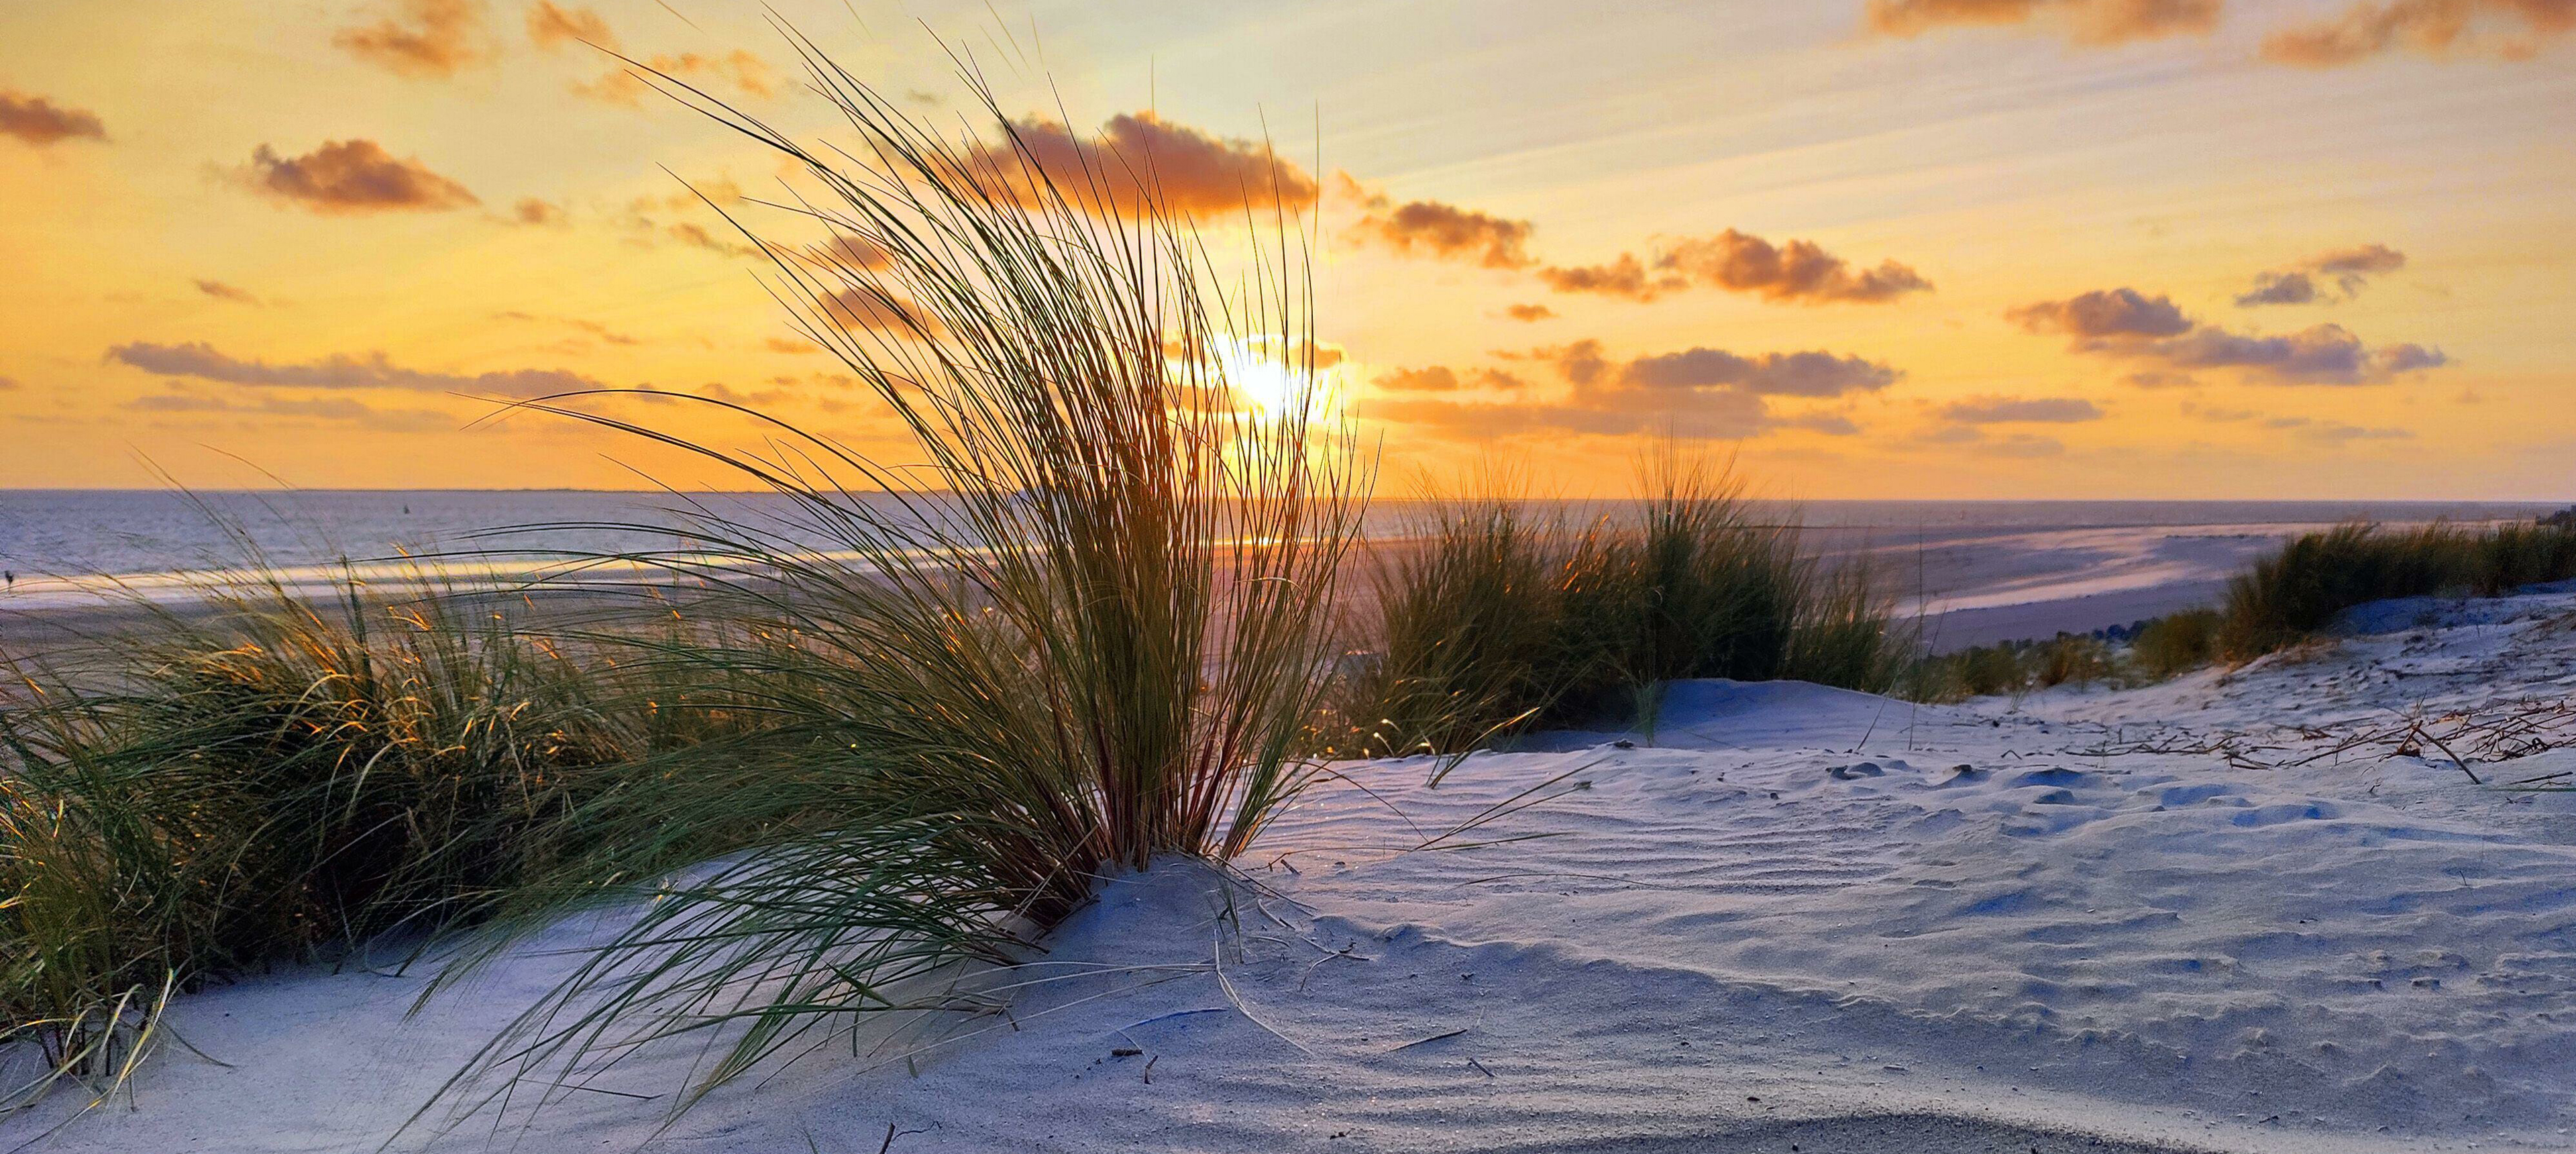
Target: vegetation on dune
(2295, 593)
(1502, 617)
(268, 776)
(1089, 629)
(2284, 599)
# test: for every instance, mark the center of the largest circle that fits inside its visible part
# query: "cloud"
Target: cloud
(696, 236)
(849, 251)
(2126, 323)
(342, 410)
(1798, 271)
(1530, 314)
(534, 210)
(2279, 288)
(2320, 354)
(1442, 379)
(1625, 277)
(8, 384)
(353, 176)
(2368, 259)
(1581, 362)
(551, 27)
(2025, 445)
(2118, 314)
(37, 120)
(2334, 433)
(2087, 22)
(2014, 410)
(594, 328)
(430, 39)
(1807, 374)
(1696, 393)
(1139, 161)
(224, 292)
(2161, 379)
(373, 370)
(740, 70)
(790, 347)
(877, 311)
(2351, 269)
(2509, 29)
(1441, 231)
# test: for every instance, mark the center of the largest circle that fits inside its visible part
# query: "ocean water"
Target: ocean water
(58, 542)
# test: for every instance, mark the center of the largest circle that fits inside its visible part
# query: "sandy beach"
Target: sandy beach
(2229, 912)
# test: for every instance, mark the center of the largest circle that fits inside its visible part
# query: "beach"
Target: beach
(2235, 911)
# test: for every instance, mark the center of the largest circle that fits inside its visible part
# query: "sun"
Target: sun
(1269, 386)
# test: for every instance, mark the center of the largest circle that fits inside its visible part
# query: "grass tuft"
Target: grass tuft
(1088, 628)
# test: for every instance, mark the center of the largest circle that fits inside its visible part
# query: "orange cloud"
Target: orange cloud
(551, 27)
(1625, 277)
(2352, 268)
(1443, 379)
(338, 410)
(2089, 22)
(875, 310)
(1441, 231)
(224, 292)
(1695, 393)
(2104, 315)
(744, 72)
(2021, 410)
(37, 120)
(1140, 162)
(1799, 272)
(429, 40)
(2512, 29)
(2127, 323)
(535, 210)
(1530, 314)
(1806, 374)
(353, 176)
(373, 370)
(594, 328)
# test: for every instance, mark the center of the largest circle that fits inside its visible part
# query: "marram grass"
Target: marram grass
(1086, 626)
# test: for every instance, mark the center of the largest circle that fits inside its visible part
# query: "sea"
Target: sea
(1975, 560)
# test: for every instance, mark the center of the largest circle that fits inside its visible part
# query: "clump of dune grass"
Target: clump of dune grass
(260, 777)
(1088, 627)
(1504, 617)
(2176, 643)
(1467, 637)
(2292, 595)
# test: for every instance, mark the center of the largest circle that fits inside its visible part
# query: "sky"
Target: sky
(1868, 248)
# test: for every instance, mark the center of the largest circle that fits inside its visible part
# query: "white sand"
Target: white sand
(2132, 921)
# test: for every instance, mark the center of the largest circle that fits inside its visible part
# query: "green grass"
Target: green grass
(1090, 625)
(2176, 643)
(264, 777)
(2282, 600)
(2292, 595)
(1500, 617)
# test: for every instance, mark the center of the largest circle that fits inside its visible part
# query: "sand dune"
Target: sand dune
(2225, 913)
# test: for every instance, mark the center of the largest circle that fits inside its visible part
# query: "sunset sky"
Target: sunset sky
(1878, 248)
